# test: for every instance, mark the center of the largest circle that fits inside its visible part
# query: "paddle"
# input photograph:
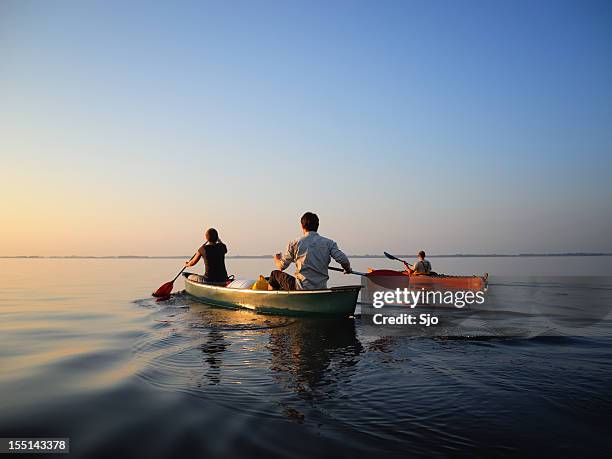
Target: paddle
(392, 257)
(333, 268)
(166, 289)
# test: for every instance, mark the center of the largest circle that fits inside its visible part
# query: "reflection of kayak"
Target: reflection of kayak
(387, 278)
(336, 301)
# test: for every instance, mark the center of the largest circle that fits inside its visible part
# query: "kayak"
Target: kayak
(384, 280)
(334, 301)
(394, 279)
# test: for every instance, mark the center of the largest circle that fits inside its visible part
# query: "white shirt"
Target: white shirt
(311, 254)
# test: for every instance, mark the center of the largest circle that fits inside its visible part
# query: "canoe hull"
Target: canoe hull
(336, 301)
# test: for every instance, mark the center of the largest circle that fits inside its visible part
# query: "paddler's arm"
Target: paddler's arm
(341, 258)
(193, 260)
(283, 262)
(408, 267)
(347, 268)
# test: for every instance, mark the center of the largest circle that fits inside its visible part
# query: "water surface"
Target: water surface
(86, 353)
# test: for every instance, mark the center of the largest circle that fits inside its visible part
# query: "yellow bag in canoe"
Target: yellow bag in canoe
(260, 284)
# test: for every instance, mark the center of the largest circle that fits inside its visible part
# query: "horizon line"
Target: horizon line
(456, 255)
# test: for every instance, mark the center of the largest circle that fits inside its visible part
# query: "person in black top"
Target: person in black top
(213, 253)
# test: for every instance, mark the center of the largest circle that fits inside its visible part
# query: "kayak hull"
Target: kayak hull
(335, 301)
(437, 282)
(386, 280)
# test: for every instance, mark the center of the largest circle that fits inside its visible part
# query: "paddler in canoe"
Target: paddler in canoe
(311, 254)
(212, 253)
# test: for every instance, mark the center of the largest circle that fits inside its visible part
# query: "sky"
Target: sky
(128, 128)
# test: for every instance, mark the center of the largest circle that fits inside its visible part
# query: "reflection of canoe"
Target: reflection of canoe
(399, 279)
(337, 301)
(315, 350)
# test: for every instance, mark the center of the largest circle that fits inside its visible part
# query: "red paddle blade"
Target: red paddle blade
(164, 290)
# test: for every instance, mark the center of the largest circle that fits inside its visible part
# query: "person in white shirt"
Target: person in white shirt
(311, 254)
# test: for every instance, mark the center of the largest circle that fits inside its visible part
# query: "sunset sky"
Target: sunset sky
(470, 127)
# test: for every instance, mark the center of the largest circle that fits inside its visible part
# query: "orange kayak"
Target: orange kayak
(388, 278)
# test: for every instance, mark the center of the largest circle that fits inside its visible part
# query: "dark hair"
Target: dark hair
(422, 254)
(212, 235)
(310, 221)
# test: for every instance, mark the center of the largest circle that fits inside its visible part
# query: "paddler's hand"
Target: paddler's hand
(278, 261)
(193, 260)
(347, 269)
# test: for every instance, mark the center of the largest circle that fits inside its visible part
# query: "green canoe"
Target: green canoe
(336, 301)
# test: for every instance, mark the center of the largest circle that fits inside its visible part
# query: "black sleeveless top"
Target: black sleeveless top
(214, 260)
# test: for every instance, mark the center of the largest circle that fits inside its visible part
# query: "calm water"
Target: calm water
(86, 353)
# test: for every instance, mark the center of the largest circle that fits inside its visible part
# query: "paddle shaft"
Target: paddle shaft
(333, 268)
(393, 257)
(163, 292)
(181, 272)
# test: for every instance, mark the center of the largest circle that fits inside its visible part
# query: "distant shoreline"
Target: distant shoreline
(154, 257)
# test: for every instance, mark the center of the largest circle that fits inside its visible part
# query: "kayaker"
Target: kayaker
(421, 266)
(212, 253)
(311, 254)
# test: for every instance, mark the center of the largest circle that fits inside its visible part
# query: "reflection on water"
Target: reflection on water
(86, 353)
(192, 348)
(213, 349)
(314, 357)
